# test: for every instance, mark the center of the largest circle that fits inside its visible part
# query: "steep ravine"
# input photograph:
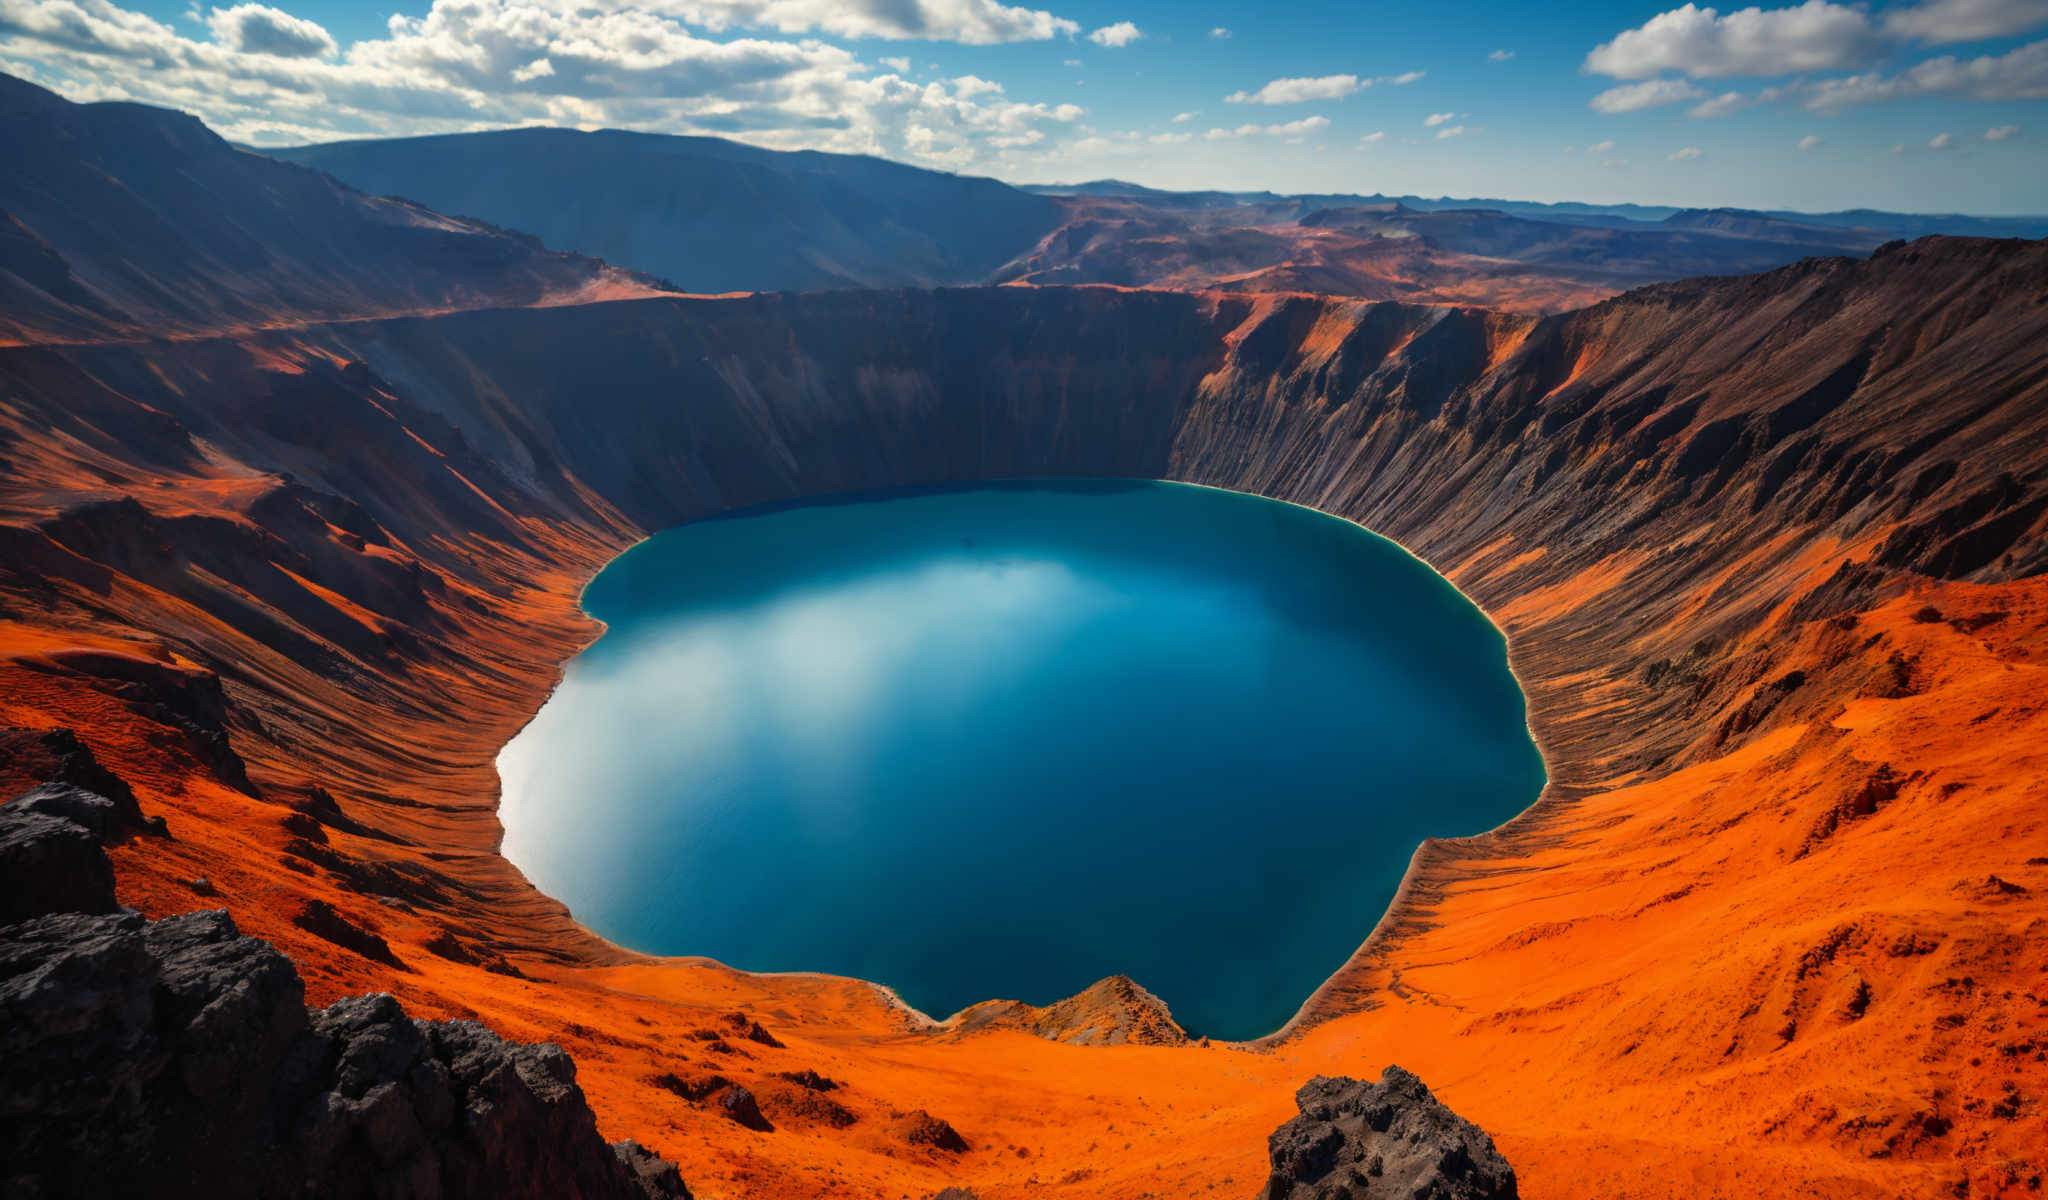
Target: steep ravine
(1712, 516)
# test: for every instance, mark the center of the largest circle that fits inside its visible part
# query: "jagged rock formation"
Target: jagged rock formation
(1389, 1140)
(57, 758)
(177, 1058)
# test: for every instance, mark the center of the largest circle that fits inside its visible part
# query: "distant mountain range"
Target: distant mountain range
(717, 216)
(119, 220)
(709, 214)
(1890, 224)
(122, 221)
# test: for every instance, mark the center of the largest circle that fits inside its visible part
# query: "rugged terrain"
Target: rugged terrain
(715, 216)
(1389, 251)
(1769, 551)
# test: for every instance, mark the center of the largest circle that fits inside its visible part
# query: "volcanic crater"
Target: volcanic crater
(1768, 551)
(1710, 516)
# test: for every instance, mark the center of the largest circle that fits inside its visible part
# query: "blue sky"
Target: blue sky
(1930, 105)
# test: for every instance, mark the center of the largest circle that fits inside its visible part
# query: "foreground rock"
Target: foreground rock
(1390, 1140)
(177, 1058)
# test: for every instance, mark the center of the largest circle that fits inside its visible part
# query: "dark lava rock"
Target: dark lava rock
(50, 864)
(657, 1176)
(808, 1078)
(696, 1090)
(751, 1030)
(739, 1104)
(1390, 1140)
(177, 1058)
(97, 813)
(920, 1128)
(58, 756)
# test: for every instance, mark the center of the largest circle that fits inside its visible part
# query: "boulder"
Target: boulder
(1390, 1140)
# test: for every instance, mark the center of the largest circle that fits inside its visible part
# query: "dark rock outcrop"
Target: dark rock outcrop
(740, 1105)
(1390, 1140)
(177, 1058)
(57, 756)
(49, 864)
(99, 815)
(920, 1128)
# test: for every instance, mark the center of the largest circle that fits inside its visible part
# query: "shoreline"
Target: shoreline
(1296, 1022)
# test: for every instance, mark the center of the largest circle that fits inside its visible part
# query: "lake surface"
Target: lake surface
(1003, 741)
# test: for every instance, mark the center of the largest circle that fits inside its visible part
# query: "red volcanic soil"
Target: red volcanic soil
(1769, 552)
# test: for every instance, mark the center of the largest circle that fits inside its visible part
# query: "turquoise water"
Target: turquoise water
(1003, 741)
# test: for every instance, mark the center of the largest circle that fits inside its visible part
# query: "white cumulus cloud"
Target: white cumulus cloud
(1703, 43)
(1941, 141)
(1297, 91)
(1808, 142)
(2020, 74)
(1291, 130)
(1719, 106)
(260, 29)
(1500, 56)
(1450, 131)
(1685, 155)
(1435, 119)
(482, 64)
(1634, 97)
(1944, 22)
(1318, 87)
(1998, 133)
(1123, 33)
(974, 22)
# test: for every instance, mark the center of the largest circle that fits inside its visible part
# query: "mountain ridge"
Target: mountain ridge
(764, 221)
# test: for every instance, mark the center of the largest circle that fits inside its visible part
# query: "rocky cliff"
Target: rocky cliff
(1767, 549)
